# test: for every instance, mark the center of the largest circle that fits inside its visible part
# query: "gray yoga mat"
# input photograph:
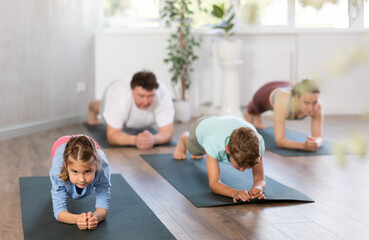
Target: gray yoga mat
(98, 132)
(190, 178)
(128, 218)
(271, 145)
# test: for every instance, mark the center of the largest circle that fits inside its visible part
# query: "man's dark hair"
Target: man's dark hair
(144, 79)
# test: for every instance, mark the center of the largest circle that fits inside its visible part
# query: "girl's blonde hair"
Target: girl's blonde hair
(80, 148)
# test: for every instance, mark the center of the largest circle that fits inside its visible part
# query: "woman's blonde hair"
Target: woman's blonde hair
(80, 148)
(305, 86)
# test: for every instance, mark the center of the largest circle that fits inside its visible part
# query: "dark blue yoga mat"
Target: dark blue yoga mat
(190, 178)
(271, 145)
(98, 132)
(128, 218)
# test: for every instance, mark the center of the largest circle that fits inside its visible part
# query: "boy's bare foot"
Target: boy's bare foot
(181, 148)
(196, 157)
(180, 152)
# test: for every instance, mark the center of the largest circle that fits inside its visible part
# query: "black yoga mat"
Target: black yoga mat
(128, 217)
(190, 178)
(271, 145)
(98, 132)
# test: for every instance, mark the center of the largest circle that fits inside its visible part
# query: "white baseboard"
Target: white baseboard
(37, 126)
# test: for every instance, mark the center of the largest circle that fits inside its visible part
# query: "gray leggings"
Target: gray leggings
(193, 146)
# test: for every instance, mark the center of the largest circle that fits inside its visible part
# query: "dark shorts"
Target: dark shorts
(260, 101)
(193, 146)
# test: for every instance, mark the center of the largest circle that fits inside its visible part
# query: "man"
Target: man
(134, 107)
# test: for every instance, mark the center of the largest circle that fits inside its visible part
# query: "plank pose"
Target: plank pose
(289, 103)
(134, 106)
(79, 167)
(230, 140)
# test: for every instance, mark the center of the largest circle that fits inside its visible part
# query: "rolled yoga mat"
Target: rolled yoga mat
(271, 145)
(128, 217)
(190, 178)
(98, 132)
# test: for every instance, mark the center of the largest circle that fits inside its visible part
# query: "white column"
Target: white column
(230, 104)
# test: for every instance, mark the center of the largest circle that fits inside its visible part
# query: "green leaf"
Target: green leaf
(217, 11)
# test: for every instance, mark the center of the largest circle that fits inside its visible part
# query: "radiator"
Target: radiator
(259, 67)
(269, 65)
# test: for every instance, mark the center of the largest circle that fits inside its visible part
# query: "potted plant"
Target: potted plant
(229, 49)
(180, 55)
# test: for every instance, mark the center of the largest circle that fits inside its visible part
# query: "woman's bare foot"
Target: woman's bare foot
(181, 148)
(258, 123)
(260, 126)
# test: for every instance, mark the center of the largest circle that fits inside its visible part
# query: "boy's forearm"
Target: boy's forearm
(222, 189)
(259, 184)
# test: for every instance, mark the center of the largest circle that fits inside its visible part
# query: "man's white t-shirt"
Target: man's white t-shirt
(120, 109)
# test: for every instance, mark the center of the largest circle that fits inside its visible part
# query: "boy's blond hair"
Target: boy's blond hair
(244, 147)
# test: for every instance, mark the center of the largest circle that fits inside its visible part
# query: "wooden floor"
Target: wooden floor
(341, 192)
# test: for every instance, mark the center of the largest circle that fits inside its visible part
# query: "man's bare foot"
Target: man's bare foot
(196, 157)
(181, 148)
(93, 111)
(93, 121)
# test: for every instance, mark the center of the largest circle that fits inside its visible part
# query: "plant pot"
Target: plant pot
(229, 50)
(182, 111)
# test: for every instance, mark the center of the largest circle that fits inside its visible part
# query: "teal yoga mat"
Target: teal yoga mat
(98, 132)
(271, 145)
(128, 218)
(190, 178)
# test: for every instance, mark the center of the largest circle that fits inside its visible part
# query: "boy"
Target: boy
(230, 140)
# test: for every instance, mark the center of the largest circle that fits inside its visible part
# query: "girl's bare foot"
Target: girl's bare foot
(196, 157)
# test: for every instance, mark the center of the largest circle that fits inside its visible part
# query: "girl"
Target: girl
(289, 103)
(78, 168)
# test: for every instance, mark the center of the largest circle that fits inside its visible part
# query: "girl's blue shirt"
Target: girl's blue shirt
(61, 191)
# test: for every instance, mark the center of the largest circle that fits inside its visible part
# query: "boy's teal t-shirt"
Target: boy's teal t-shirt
(213, 134)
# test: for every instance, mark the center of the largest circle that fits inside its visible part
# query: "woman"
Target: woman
(289, 103)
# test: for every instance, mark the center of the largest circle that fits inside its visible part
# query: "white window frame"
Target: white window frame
(356, 24)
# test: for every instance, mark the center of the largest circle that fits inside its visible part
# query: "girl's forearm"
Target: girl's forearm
(100, 214)
(67, 217)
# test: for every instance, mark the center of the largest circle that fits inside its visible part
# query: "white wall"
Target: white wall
(341, 63)
(46, 48)
(304, 54)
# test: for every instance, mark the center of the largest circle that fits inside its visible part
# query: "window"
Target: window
(275, 13)
(202, 12)
(321, 14)
(131, 13)
(366, 13)
(263, 12)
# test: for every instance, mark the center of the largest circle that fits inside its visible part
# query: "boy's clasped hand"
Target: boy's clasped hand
(245, 196)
